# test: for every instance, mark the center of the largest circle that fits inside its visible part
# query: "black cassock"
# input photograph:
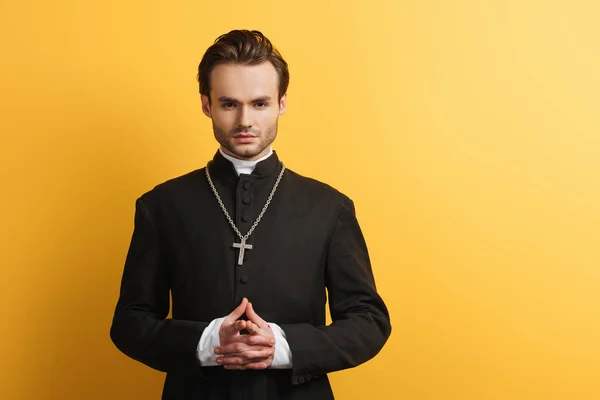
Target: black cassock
(308, 241)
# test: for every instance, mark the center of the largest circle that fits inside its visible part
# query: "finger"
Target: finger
(253, 365)
(235, 348)
(237, 312)
(239, 360)
(254, 340)
(253, 316)
(254, 329)
(232, 348)
(233, 328)
(229, 361)
(238, 347)
(256, 355)
(246, 356)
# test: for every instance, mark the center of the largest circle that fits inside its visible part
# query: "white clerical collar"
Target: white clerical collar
(245, 166)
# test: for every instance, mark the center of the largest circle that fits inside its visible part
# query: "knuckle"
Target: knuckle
(258, 355)
(226, 349)
(254, 340)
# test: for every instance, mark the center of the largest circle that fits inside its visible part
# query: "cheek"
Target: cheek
(268, 119)
(223, 120)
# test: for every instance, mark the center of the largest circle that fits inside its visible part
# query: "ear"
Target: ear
(282, 104)
(205, 106)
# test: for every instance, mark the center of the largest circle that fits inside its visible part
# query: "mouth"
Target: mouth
(244, 137)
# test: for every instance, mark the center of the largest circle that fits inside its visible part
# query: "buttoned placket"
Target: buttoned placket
(244, 218)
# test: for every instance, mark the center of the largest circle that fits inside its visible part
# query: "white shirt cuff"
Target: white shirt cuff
(283, 355)
(208, 341)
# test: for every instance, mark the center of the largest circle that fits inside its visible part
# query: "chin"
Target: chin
(244, 153)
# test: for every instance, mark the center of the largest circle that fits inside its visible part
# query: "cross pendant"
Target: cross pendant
(242, 246)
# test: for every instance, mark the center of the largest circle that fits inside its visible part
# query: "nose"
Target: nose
(245, 118)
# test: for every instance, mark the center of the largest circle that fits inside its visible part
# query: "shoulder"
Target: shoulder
(317, 190)
(174, 187)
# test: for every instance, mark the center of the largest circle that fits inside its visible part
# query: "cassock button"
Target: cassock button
(246, 200)
(245, 218)
(244, 279)
(247, 185)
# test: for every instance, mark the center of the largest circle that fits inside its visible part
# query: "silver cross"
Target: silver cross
(242, 246)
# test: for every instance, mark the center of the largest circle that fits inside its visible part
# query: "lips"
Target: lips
(244, 138)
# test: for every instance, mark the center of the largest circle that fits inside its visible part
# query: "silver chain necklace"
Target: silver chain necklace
(242, 245)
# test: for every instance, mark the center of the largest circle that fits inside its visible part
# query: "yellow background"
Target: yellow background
(467, 132)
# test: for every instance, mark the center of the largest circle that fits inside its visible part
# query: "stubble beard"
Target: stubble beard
(245, 152)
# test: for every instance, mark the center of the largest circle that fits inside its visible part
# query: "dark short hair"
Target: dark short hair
(242, 47)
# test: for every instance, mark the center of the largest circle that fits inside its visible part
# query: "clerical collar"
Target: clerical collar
(244, 166)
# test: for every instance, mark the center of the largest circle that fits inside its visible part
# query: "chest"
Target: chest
(285, 266)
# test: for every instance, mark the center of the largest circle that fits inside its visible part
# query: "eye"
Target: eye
(262, 104)
(228, 105)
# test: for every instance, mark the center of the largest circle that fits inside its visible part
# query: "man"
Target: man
(248, 251)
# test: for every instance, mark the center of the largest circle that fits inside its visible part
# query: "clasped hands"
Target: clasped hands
(243, 351)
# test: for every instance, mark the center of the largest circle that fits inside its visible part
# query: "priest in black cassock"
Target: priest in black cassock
(248, 252)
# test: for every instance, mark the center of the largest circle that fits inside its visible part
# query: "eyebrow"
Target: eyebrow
(226, 99)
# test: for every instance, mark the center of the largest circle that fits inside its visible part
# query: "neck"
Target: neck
(244, 166)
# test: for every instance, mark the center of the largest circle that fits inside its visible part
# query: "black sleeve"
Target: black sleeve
(360, 320)
(140, 328)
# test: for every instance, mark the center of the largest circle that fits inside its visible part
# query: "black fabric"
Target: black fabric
(308, 241)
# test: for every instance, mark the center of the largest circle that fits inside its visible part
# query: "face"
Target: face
(244, 108)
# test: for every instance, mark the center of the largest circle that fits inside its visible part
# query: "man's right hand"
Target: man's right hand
(250, 351)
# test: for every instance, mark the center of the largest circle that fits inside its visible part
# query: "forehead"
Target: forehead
(244, 82)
